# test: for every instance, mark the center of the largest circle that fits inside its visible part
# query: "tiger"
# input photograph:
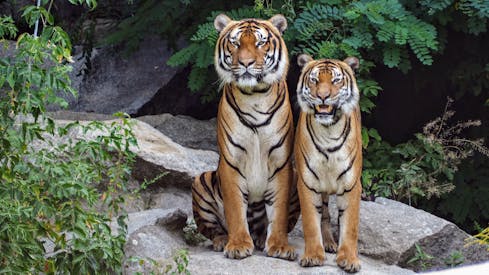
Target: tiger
(250, 199)
(328, 156)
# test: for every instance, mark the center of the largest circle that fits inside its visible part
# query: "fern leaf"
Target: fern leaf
(183, 56)
(203, 32)
(392, 57)
(196, 79)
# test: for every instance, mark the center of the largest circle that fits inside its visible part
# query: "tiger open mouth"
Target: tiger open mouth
(325, 110)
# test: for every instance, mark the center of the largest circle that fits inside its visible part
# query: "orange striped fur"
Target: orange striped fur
(251, 200)
(328, 155)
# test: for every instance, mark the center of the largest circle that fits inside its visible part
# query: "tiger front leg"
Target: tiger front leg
(239, 245)
(311, 204)
(348, 219)
(277, 208)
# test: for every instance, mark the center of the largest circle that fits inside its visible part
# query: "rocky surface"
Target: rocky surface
(117, 82)
(389, 230)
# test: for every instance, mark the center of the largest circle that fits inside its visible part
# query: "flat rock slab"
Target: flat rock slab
(205, 261)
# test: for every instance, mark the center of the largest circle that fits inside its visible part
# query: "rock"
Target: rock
(209, 262)
(176, 98)
(121, 83)
(150, 242)
(389, 231)
(171, 198)
(158, 151)
(157, 154)
(185, 130)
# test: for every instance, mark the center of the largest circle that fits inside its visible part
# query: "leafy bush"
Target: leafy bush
(422, 167)
(53, 185)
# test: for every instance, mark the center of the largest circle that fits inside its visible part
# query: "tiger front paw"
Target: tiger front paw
(348, 260)
(285, 252)
(238, 250)
(219, 242)
(316, 258)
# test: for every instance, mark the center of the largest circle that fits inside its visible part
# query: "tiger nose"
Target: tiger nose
(323, 95)
(246, 62)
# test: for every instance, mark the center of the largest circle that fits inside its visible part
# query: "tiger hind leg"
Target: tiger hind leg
(328, 240)
(257, 222)
(208, 209)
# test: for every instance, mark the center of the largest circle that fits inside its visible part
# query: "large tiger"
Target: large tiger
(245, 203)
(328, 155)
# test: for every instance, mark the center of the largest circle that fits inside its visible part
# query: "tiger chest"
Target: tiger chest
(257, 152)
(334, 173)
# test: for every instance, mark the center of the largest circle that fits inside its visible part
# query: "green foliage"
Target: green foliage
(481, 238)
(178, 265)
(454, 259)
(422, 167)
(53, 186)
(7, 27)
(191, 235)
(421, 258)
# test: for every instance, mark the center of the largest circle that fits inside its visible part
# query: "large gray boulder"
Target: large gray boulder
(390, 230)
(185, 130)
(120, 83)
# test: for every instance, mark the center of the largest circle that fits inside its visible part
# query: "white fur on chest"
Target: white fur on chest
(257, 163)
(328, 169)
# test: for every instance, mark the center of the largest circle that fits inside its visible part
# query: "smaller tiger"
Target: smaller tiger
(328, 154)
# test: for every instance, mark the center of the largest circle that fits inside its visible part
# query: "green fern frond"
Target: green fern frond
(207, 32)
(197, 79)
(205, 56)
(392, 56)
(183, 56)
(435, 5)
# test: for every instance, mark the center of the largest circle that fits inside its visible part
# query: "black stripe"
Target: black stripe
(319, 208)
(233, 142)
(345, 135)
(280, 142)
(308, 187)
(347, 190)
(202, 209)
(347, 126)
(234, 167)
(203, 199)
(350, 165)
(307, 164)
(237, 111)
(280, 167)
(313, 136)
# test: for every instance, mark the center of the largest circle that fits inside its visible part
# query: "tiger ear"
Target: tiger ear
(303, 59)
(353, 62)
(221, 22)
(279, 22)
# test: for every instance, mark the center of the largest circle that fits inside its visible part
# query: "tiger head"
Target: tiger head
(327, 88)
(251, 52)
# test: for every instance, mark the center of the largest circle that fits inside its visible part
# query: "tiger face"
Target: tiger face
(327, 88)
(251, 53)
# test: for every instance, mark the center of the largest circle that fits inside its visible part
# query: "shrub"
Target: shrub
(53, 185)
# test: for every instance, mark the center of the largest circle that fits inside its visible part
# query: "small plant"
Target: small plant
(421, 258)
(423, 167)
(481, 238)
(151, 266)
(191, 235)
(454, 259)
(180, 263)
